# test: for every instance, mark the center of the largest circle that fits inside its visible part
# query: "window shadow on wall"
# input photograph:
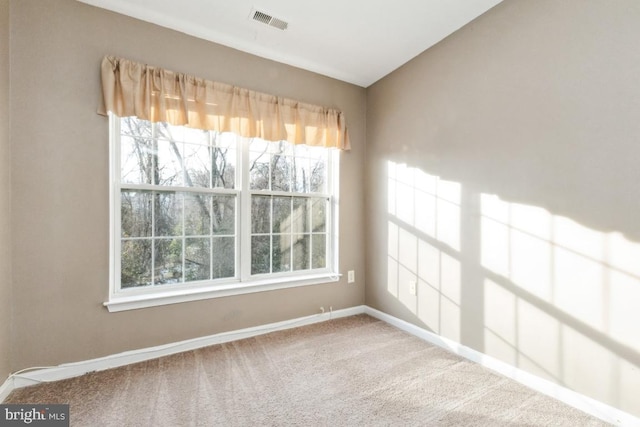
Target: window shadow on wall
(537, 290)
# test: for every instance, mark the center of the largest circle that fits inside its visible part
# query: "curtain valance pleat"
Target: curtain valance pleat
(158, 95)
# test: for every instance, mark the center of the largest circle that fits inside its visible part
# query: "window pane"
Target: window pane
(281, 252)
(260, 214)
(182, 133)
(300, 217)
(135, 269)
(197, 214)
(301, 251)
(281, 172)
(227, 139)
(224, 167)
(169, 167)
(260, 251)
(224, 215)
(172, 237)
(168, 261)
(301, 175)
(224, 255)
(197, 259)
(135, 213)
(136, 160)
(197, 165)
(259, 165)
(319, 259)
(284, 148)
(282, 214)
(136, 127)
(168, 214)
(318, 214)
(318, 176)
(301, 150)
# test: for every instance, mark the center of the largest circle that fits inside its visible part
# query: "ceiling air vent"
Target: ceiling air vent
(268, 19)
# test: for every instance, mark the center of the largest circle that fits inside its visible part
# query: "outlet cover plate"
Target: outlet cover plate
(412, 287)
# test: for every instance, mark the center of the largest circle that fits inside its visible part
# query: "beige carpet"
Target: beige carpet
(355, 371)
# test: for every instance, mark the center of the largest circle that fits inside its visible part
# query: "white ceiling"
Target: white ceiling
(357, 41)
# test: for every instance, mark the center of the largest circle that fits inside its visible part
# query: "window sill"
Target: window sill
(132, 302)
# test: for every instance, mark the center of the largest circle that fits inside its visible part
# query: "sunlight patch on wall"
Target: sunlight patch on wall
(538, 340)
(392, 259)
(425, 202)
(591, 276)
(624, 308)
(408, 267)
(423, 239)
(557, 298)
(628, 377)
(439, 291)
(560, 299)
(500, 322)
(579, 284)
(581, 354)
(530, 265)
(520, 333)
(495, 245)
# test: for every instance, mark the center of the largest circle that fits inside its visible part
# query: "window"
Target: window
(198, 214)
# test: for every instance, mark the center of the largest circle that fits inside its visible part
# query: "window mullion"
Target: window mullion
(154, 194)
(115, 201)
(245, 211)
(183, 238)
(289, 194)
(309, 231)
(167, 188)
(211, 140)
(331, 230)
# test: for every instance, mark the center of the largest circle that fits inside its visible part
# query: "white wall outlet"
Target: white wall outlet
(351, 276)
(412, 287)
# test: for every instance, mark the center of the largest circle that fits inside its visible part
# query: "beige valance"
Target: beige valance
(158, 95)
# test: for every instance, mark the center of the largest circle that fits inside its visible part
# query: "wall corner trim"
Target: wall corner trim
(579, 401)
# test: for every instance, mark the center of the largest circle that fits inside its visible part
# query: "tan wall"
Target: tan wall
(503, 175)
(5, 196)
(61, 222)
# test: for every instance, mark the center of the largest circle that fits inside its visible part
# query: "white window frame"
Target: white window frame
(244, 282)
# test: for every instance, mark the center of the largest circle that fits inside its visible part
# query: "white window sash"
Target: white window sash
(243, 282)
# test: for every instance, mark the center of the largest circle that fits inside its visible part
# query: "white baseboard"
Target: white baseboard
(70, 370)
(579, 401)
(586, 404)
